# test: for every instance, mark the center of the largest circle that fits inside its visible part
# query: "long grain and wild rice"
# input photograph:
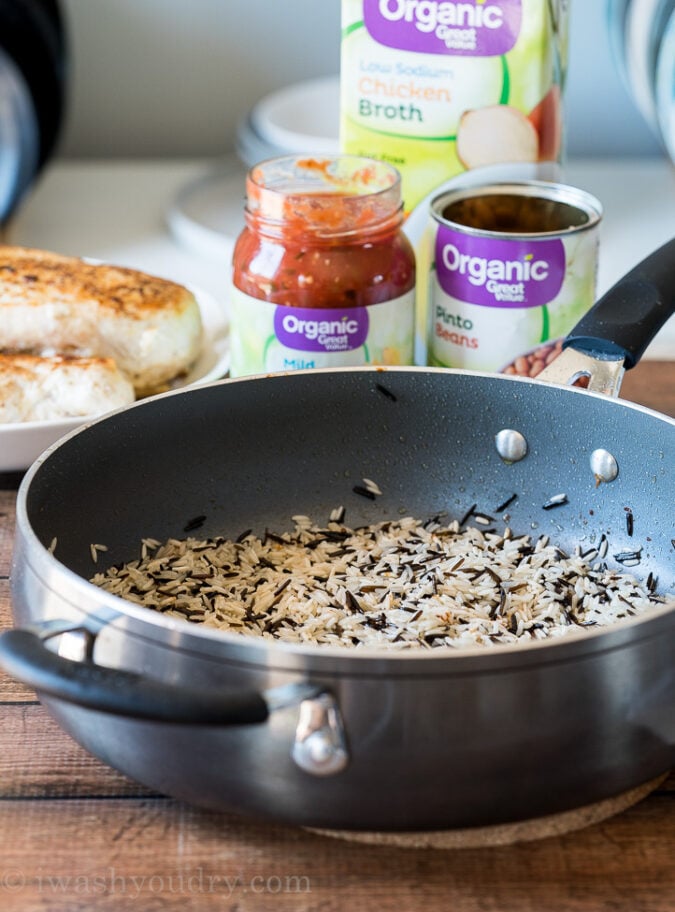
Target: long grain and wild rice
(404, 584)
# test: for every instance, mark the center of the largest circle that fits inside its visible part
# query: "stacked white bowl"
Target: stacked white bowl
(300, 118)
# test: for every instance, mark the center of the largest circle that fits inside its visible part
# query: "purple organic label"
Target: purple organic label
(499, 273)
(318, 330)
(478, 28)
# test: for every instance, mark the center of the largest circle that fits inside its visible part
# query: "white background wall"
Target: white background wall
(172, 77)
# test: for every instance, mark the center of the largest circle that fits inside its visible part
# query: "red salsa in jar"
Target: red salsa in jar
(323, 275)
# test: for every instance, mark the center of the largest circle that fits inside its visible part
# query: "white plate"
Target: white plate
(22, 443)
(208, 213)
(303, 117)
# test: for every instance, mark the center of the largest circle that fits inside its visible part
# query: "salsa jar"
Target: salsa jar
(323, 275)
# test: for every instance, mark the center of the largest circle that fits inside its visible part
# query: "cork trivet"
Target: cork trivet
(503, 834)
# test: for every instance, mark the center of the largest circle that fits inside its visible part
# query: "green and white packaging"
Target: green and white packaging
(437, 87)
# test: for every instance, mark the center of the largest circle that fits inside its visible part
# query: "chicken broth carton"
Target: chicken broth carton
(436, 87)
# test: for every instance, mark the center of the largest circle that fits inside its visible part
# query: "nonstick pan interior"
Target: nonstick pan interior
(251, 454)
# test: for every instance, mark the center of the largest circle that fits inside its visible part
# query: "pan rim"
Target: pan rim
(375, 370)
(45, 564)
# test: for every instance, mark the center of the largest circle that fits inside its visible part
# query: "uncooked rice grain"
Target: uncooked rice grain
(404, 584)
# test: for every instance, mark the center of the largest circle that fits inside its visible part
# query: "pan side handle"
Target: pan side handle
(623, 322)
(25, 656)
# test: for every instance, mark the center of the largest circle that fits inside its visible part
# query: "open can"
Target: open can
(514, 266)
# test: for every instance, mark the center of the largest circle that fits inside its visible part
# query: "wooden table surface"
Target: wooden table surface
(76, 835)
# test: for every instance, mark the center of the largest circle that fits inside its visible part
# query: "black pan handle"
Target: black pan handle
(628, 316)
(24, 656)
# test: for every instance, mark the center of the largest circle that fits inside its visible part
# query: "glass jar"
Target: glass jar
(323, 275)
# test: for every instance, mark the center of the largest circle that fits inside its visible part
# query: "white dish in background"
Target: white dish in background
(23, 442)
(303, 117)
(208, 213)
(664, 85)
(252, 148)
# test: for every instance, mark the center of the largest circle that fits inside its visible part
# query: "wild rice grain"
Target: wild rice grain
(625, 557)
(364, 492)
(195, 523)
(506, 504)
(467, 516)
(385, 392)
(629, 521)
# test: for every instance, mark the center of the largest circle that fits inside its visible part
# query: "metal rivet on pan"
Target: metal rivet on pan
(511, 445)
(604, 466)
(320, 746)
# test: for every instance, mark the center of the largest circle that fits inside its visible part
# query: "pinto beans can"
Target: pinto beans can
(514, 266)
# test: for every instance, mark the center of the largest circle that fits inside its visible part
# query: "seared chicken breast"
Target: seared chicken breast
(42, 389)
(53, 304)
